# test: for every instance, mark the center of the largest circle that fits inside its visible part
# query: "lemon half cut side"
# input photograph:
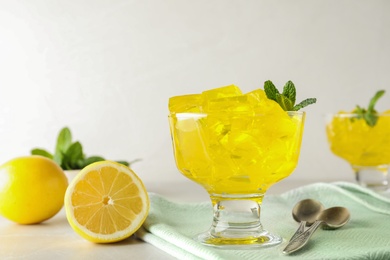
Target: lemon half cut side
(106, 202)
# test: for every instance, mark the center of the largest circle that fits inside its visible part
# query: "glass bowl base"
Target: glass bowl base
(265, 239)
(372, 177)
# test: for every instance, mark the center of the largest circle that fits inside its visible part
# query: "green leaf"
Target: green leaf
(64, 140)
(66, 163)
(270, 90)
(74, 154)
(360, 111)
(289, 91)
(304, 103)
(38, 151)
(58, 158)
(70, 155)
(134, 161)
(284, 102)
(373, 101)
(124, 163)
(91, 159)
(370, 115)
(287, 99)
(370, 119)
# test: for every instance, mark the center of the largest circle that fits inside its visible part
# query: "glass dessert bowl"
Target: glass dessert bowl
(236, 148)
(365, 147)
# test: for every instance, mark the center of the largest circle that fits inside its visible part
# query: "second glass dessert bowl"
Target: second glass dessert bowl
(236, 157)
(366, 147)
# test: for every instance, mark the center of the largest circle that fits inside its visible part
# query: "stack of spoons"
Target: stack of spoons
(312, 213)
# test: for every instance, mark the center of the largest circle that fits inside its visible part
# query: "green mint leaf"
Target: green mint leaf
(304, 103)
(370, 119)
(74, 154)
(289, 91)
(65, 163)
(370, 115)
(58, 157)
(287, 99)
(64, 140)
(68, 155)
(134, 161)
(124, 163)
(38, 151)
(270, 90)
(284, 102)
(373, 101)
(359, 113)
(91, 159)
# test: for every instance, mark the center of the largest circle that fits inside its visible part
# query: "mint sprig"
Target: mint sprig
(69, 155)
(370, 115)
(287, 98)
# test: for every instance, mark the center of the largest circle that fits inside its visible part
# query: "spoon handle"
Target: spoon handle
(301, 240)
(299, 231)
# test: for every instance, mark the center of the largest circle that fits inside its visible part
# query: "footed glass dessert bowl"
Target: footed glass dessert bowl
(236, 146)
(365, 147)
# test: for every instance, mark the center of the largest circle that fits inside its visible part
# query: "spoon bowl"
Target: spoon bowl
(334, 217)
(307, 210)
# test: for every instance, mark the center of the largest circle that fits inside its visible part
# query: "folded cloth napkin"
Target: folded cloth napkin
(171, 226)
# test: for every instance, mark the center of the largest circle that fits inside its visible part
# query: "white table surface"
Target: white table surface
(55, 239)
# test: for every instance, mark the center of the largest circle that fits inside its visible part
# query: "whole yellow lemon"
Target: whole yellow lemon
(32, 189)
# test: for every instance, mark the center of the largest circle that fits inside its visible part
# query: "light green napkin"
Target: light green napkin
(170, 226)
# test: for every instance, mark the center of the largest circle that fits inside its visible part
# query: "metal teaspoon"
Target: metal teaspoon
(306, 212)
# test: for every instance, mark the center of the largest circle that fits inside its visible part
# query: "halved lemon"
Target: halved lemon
(106, 202)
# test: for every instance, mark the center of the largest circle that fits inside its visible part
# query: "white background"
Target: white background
(107, 68)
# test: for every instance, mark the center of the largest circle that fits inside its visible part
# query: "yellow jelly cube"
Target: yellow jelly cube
(229, 104)
(186, 103)
(222, 92)
(222, 98)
